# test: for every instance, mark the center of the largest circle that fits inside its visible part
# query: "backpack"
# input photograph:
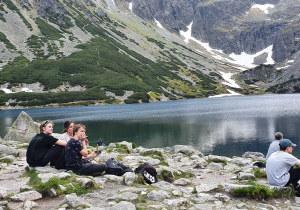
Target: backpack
(116, 168)
(148, 171)
(30, 150)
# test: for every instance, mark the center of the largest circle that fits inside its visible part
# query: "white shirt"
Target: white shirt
(278, 166)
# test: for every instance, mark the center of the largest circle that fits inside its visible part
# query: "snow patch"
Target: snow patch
(113, 1)
(158, 24)
(230, 82)
(188, 36)
(246, 60)
(130, 6)
(263, 7)
(231, 93)
(6, 90)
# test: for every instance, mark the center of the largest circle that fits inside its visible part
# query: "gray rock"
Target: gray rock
(127, 196)
(187, 150)
(129, 178)
(23, 129)
(176, 202)
(123, 205)
(63, 175)
(85, 182)
(4, 192)
(25, 188)
(125, 143)
(30, 195)
(254, 155)
(231, 167)
(3, 203)
(52, 193)
(245, 176)
(29, 205)
(5, 150)
(72, 200)
(100, 181)
(114, 178)
(206, 187)
(182, 182)
(222, 197)
(165, 185)
(201, 163)
(45, 177)
(218, 158)
(215, 166)
(158, 195)
(241, 161)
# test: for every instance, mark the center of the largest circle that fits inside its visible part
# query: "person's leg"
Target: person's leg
(93, 169)
(294, 176)
(56, 157)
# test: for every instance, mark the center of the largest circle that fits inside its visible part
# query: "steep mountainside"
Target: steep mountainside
(115, 51)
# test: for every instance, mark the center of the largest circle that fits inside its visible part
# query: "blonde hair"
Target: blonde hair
(44, 123)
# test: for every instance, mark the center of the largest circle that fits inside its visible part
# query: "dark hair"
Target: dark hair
(44, 123)
(278, 135)
(282, 148)
(76, 128)
(67, 125)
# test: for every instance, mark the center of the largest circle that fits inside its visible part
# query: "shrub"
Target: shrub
(258, 192)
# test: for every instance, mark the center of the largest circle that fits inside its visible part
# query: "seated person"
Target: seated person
(274, 146)
(44, 148)
(279, 167)
(67, 133)
(76, 152)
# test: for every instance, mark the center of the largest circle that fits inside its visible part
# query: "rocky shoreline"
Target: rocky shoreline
(186, 180)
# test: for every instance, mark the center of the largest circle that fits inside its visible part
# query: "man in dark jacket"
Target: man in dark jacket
(44, 148)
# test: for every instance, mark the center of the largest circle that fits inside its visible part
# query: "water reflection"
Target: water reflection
(222, 126)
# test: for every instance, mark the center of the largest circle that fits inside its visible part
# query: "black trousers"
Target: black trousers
(55, 156)
(92, 169)
(294, 176)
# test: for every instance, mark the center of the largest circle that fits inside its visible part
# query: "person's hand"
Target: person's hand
(94, 154)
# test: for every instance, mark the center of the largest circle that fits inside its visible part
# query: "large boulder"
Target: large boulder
(23, 129)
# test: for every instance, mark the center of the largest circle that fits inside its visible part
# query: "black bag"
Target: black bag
(148, 171)
(116, 168)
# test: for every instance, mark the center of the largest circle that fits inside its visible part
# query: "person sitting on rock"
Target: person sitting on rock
(77, 153)
(67, 133)
(274, 146)
(279, 167)
(44, 148)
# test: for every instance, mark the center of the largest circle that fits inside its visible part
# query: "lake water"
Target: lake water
(222, 126)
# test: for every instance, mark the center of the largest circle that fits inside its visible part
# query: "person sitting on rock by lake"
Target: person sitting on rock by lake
(44, 148)
(67, 133)
(279, 167)
(76, 153)
(274, 146)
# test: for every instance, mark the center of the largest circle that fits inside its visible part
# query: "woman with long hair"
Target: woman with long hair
(76, 151)
(67, 132)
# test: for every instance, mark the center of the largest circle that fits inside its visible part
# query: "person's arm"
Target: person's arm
(61, 142)
(84, 151)
(298, 163)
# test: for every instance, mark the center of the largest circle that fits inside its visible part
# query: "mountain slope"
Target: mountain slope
(116, 51)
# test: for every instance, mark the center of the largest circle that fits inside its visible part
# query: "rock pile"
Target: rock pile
(186, 180)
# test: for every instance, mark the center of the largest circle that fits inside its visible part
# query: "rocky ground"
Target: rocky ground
(206, 182)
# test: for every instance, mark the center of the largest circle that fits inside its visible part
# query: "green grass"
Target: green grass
(48, 30)
(54, 183)
(259, 192)
(6, 42)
